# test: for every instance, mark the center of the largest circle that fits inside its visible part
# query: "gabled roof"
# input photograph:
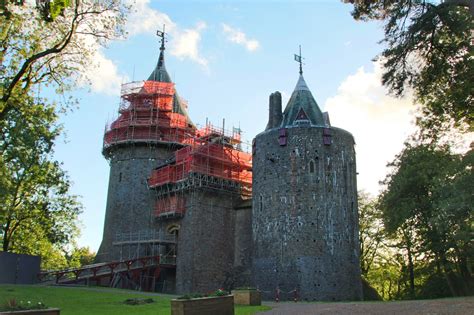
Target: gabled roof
(302, 107)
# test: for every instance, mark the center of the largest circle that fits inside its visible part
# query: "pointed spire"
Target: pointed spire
(301, 84)
(160, 74)
(302, 107)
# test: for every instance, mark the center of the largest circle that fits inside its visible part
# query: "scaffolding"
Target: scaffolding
(148, 113)
(212, 159)
(131, 245)
(208, 158)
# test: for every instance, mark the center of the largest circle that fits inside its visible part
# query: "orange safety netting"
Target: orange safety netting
(146, 114)
(145, 134)
(147, 88)
(224, 154)
(170, 205)
(210, 130)
(211, 159)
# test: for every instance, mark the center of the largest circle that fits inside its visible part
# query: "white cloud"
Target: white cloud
(185, 44)
(380, 123)
(144, 19)
(237, 36)
(99, 71)
(103, 75)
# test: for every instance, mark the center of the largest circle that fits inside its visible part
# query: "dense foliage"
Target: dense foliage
(53, 43)
(416, 236)
(48, 45)
(422, 226)
(37, 212)
(428, 45)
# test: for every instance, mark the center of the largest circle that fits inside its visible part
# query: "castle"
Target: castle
(192, 198)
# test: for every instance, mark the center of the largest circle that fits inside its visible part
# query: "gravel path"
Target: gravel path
(459, 306)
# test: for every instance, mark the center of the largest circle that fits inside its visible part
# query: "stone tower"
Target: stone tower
(305, 219)
(151, 125)
(198, 192)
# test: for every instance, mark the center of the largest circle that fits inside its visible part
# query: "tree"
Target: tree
(454, 201)
(381, 254)
(428, 49)
(370, 231)
(52, 44)
(422, 206)
(80, 256)
(36, 207)
(49, 9)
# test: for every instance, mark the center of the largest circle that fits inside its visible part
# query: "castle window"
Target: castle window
(120, 177)
(260, 203)
(327, 136)
(311, 166)
(282, 138)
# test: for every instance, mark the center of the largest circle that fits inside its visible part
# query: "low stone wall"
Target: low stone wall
(220, 305)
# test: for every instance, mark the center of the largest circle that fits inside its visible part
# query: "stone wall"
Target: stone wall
(305, 220)
(243, 244)
(129, 201)
(206, 242)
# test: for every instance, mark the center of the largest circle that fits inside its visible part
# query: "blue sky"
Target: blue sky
(226, 57)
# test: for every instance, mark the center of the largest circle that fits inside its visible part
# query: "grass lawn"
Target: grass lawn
(78, 301)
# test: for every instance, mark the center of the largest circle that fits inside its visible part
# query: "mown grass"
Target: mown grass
(82, 301)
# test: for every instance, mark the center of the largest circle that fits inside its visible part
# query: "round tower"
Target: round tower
(152, 124)
(305, 219)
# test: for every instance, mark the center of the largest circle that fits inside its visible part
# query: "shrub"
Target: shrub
(13, 305)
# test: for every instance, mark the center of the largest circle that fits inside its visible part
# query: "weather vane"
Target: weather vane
(299, 59)
(162, 35)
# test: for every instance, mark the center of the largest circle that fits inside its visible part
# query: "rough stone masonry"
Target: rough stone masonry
(304, 213)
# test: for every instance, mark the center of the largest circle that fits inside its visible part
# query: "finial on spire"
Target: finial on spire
(299, 59)
(162, 35)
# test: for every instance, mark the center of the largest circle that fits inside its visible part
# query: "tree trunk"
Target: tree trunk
(466, 277)
(6, 240)
(448, 274)
(411, 271)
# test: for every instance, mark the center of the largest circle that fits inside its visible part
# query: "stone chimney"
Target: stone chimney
(274, 113)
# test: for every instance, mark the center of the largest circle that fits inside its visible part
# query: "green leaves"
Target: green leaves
(54, 44)
(429, 196)
(38, 215)
(428, 49)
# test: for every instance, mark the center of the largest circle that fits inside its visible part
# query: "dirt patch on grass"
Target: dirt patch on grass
(459, 306)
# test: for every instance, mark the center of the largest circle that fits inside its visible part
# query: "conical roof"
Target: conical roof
(160, 74)
(302, 107)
